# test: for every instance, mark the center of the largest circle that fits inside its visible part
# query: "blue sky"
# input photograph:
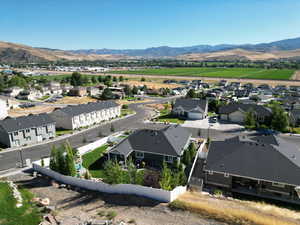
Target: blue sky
(77, 24)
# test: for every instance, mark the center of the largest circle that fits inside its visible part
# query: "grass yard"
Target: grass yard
(10, 215)
(63, 132)
(253, 73)
(166, 117)
(126, 112)
(90, 158)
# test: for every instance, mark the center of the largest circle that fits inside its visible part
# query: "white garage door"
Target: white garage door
(194, 116)
(236, 117)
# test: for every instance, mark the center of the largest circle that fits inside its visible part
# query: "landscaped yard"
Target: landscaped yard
(89, 160)
(166, 117)
(254, 73)
(10, 215)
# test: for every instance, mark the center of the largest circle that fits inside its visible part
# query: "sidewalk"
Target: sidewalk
(58, 138)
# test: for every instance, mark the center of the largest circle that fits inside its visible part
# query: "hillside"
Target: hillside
(11, 53)
(285, 49)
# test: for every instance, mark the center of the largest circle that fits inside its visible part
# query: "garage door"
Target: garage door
(236, 117)
(194, 116)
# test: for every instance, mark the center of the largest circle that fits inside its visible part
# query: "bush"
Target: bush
(177, 204)
(111, 215)
(218, 192)
(125, 106)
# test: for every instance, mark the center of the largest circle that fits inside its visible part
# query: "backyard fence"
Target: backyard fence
(130, 189)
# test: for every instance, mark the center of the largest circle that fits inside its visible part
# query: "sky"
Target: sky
(132, 24)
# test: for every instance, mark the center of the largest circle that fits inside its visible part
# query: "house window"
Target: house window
(27, 130)
(16, 133)
(139, 155)
(210, 172)
(168, 159)
(274, 184)
(28, 139)
(226, 175)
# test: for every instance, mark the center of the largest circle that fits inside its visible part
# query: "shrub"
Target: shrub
(111, 215)
(125, 106)
(218, 192)
(177, 204)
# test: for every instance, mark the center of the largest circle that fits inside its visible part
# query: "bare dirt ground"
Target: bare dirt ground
(154, 85)
(33, 110)
(259, 212)
(124, 101)
(215, 79)
(83, 204)
(75, 100)
(296, 75)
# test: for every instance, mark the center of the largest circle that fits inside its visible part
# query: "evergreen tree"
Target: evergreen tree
(166, 178)
(53, 159)
(76, 79)
(250, 121)
(280, 120)
(191, 94)
(107, 94)
(94, 80)
(113, 173)
(69, 160)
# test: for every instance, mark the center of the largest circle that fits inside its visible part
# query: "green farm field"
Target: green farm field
(250, 73)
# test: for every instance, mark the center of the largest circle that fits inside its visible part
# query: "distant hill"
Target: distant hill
(16, 53)
(284, 49)
(165, 51)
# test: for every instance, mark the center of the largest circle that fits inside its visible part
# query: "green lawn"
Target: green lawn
(166, 117)
(44, 97)
(63, 132)
(10, 215)
(126, 112)
(255, 73)
(90, 158)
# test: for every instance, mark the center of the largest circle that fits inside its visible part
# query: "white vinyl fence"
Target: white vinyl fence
(131, 189)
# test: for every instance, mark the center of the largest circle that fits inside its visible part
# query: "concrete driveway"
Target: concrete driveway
(204, 124)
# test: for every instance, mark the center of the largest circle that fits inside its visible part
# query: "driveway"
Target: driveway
(204, 124)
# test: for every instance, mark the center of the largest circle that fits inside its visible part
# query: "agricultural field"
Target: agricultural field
(250, 73)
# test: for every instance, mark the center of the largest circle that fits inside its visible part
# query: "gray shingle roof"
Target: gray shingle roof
(86, 108)
(258, 109)
(191, 104)
(168, 141)
(271, 158)
(24, 122)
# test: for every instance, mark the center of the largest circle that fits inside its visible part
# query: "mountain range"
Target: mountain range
(284, 49)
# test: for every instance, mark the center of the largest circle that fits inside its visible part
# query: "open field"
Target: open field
(236, 211)
(253, 73)
(75, 100)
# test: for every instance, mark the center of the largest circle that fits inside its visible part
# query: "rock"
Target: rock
(45, 202)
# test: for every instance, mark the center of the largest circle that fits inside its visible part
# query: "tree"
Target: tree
(53, 159)
(94, 80)
(166, 178)
(76, 79)
(192, 150)
(135, 90)
(100, 79)
(250, 119)
(127, 90)
(107, 94)
(69, 161)
(113, 173)
(280, 120)
(115, 79)
(191, 94)
(143, 79)
(121, 78)
(112, 128)
(186, 158)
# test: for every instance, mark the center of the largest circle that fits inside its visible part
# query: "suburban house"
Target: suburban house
(295, 117)
(26, 130)
(193, 109)
(264, 166)
(153, 146)
(3, 109)
(84, 115)
(12, 92)
(31, 94)
(236, 112)
(78, 91)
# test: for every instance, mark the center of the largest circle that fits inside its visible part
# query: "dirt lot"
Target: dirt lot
(33, 110)
(296, 75)
(137, 210)
(154, 85)
(75, 100)
(239, 210)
